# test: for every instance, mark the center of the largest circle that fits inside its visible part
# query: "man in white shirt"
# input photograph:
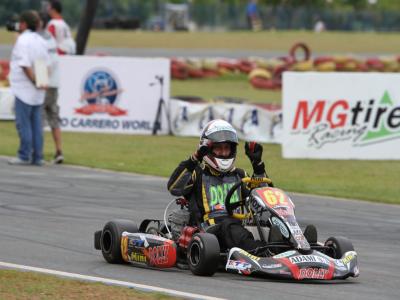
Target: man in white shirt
(29, 49)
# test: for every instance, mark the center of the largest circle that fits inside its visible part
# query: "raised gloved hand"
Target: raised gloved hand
(254, 152)
(203, 149)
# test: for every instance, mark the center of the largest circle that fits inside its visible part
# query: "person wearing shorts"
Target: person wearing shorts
(59, 30)
(51, 117)
(50, 110)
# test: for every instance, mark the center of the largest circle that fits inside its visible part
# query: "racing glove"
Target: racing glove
(203, 149)
(254, 153)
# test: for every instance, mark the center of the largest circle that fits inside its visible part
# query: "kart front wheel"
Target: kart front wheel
(338, 246)
(203, 254)
(110, 241)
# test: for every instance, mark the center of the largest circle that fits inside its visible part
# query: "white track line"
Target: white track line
(138, 286)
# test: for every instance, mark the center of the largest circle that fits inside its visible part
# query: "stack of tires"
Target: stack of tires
(4, 71)
(269, 75)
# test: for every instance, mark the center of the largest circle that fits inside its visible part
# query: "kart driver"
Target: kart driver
(206, 177)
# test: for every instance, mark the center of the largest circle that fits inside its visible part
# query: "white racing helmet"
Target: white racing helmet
(219, 131)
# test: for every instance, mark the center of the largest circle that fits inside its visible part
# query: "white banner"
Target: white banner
(6, 104)
(113, 94)
(252, 123)
(341, 115)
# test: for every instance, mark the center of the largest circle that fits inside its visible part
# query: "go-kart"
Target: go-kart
(267, 212)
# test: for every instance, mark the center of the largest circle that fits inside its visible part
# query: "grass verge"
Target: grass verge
(29, 285)
(265, 40)
(375, 181)
(328, 42)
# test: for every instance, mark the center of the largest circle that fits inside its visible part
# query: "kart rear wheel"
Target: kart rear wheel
(110, 241)
(338, 246)
(203, 254)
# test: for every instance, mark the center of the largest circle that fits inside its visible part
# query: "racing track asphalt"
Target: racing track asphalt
(48, 216)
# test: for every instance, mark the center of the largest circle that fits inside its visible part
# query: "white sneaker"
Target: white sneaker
(16, 161)
(58, 158)
(39, 163)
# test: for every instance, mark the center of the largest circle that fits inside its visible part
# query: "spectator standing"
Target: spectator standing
(29, 49)
(60, 42)
(319, 26)
(59, 29)
(253, 16)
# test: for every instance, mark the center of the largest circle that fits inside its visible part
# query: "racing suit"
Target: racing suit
(206, 190)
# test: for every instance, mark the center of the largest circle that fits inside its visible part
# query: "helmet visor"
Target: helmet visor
(223, 136)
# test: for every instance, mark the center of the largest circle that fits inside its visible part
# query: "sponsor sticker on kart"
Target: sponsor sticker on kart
(238, 265)
(313, 273)
(300, 259)
(137, 257)
(281, 226)
(253, 257)
(158, 255)
(349, 257)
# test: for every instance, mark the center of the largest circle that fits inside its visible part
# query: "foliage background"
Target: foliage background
(230, 14)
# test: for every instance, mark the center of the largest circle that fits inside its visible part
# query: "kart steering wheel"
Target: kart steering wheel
(253, 183)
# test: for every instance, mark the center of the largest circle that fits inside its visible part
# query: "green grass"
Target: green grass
(28, 285)
(267, 40)
(330, 42)
(375, 181)
(234, 85)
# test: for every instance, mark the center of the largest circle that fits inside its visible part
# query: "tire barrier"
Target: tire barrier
(375, 64)
(267, 73)
(302, 47)
(178, 70)
(260, 72)
(263, 79)
(299, 59)
(267, 84)
(245, 66)
(4, 69)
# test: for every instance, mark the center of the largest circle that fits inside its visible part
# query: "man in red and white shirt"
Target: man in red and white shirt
(60, 29)
(64, 44)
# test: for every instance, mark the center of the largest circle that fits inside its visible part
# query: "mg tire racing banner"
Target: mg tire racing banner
(252, 122)
(113, 94)
(341, 115)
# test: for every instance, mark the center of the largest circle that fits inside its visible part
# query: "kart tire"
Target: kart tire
(338, 246)
(110, 241)
(203, 254)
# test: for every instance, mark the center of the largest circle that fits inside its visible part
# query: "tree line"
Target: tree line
(230, 13)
